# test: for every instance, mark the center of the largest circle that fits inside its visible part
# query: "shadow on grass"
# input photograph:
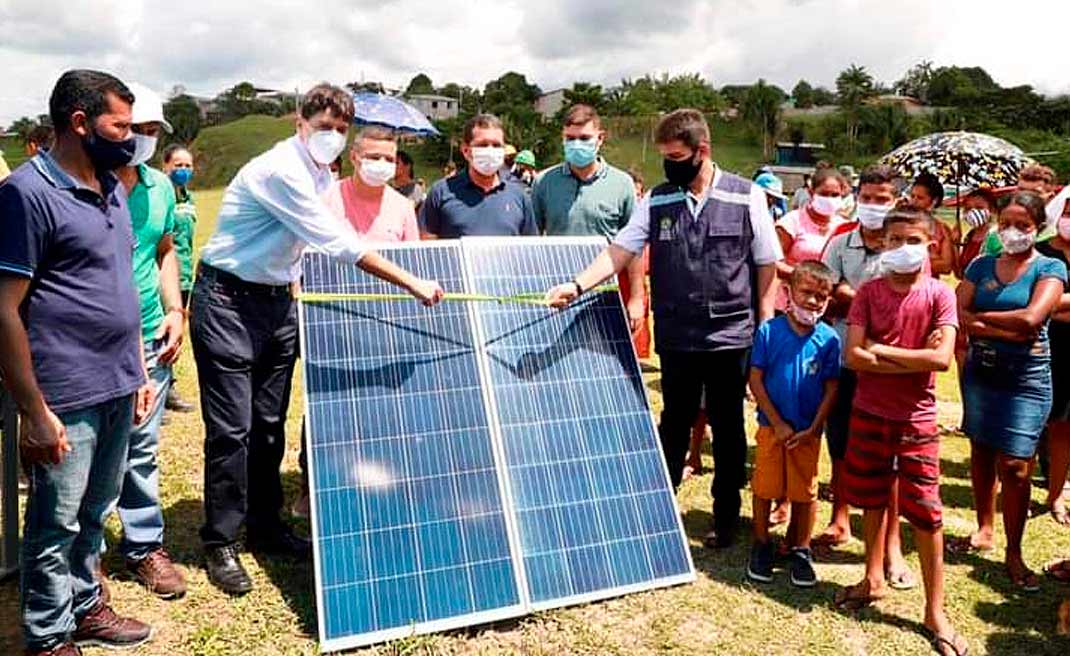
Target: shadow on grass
(954, 469)
(1014, 644)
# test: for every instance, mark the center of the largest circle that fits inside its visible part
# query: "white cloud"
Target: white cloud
(208, 46)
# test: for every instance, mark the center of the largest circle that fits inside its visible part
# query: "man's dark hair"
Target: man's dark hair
(171, 149)
(932, 185)
(580, 115)
(1037, 173)
(484, 121)
(687, 126)
(907, 212)
(327, 97)
(814, 269)
(406, 159)
(42, 135)
(1032, 202)
(83, 90)
(878, 174)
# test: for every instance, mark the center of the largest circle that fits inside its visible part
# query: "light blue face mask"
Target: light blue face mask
(581, 152)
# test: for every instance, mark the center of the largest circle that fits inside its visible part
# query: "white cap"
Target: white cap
(148, 107)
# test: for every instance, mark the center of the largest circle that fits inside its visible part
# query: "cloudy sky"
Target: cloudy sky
(209, 46)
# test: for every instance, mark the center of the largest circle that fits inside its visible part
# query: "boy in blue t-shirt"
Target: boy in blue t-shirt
(795, 367)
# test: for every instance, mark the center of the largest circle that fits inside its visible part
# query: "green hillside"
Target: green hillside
(14, 152)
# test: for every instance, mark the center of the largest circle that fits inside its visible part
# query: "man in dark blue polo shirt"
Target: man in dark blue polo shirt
(70, 352)
(477, 201)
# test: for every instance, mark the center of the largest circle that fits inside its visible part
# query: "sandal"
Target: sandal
(1061, 516)
(955, 643)
(1059, 570)
(1027, 582)
(855, 597)
(902, 580)
(961, 546)
(827, 540)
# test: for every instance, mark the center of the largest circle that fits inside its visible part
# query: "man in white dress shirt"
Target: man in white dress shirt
(244, 328)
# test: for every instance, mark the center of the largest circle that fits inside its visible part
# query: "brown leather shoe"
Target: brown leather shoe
(66, 649)
(101, 627)
(157, 573)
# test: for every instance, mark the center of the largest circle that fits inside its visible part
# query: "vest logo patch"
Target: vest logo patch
(665, 229)
(813, 367)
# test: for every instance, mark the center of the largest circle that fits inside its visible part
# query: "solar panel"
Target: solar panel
(477, 460)
(594, 507)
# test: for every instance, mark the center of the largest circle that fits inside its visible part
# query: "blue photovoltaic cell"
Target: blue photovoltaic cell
(591, 496)
(408, 517)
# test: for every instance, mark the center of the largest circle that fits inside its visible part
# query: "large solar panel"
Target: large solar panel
(477, 460)
(591, 495)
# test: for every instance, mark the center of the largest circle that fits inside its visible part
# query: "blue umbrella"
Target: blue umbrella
(391, 112)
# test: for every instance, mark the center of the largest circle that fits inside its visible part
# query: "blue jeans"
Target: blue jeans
(139, 501)
(64, 522)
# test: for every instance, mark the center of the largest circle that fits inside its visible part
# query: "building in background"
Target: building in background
(435, 107)
(550, 103)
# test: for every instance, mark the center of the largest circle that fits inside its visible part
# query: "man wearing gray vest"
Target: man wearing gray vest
(713, 250)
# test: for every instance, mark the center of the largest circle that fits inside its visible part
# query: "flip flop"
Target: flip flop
(903, 580)
(963, 545)
(826, 540)
(943, 643)
(855, 597)
(1058, 570)
(1027, 582)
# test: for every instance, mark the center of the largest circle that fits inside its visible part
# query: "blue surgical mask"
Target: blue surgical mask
(581, 152)
(181, 177)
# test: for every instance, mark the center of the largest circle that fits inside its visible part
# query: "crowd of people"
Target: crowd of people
(830, 310)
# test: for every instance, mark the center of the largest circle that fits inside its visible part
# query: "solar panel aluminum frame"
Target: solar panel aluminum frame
(481, 337)
(445, 624)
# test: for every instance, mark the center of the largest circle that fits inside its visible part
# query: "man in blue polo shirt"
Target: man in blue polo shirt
(70, 336)
(477, 201)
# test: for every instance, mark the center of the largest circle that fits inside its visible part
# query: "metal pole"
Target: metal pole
(9, 486)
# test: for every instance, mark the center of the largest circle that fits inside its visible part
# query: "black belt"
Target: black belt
(234, 283)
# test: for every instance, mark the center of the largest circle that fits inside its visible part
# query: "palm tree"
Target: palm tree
(761, 109)
(854, 85)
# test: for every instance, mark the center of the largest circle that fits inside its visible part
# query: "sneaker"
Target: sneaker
(176, 403)
(157, 573)
(65, 649)
(101, 627)
(802, 568)
(760, 566)
(225, 570)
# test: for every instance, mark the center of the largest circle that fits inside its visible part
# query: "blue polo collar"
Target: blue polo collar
(56, 176)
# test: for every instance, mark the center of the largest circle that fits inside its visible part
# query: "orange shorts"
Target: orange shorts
(780, 473)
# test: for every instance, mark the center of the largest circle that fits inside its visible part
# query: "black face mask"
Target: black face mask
(108, 155)
(681, 172)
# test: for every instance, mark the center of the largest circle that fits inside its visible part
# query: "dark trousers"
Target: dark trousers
(245, 343)
(723, 376)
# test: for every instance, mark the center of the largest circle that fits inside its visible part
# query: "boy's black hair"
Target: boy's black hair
(814, 269)
(907, 212)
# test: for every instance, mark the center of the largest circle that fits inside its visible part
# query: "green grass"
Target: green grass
(719, 614)
(14, 151)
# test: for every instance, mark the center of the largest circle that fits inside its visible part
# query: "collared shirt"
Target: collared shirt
(152, 214)
(566, 205)
(765, 247)
(81, 311)
(185, 228)
(389, 218)
(270, 212)
(455, 207)
(853, 264)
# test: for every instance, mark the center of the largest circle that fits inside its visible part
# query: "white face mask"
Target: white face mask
(1062, 226)
(871, 216)
(806, 316)
(376, 172)
(1015, 241)
(324, 146)
(487, 159)
(144, 149)
(908, 258)
(826, 205)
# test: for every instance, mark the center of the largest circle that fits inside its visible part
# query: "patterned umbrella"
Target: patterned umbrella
(965, 159)
(391, 112)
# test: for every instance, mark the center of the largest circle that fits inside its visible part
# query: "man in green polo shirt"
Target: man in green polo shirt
(585, 195)
(178, 165)
(151, 199)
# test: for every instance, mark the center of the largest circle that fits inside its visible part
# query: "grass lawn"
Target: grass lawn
(719, 614)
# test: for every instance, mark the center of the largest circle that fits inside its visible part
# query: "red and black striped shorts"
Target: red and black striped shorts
(879, 452)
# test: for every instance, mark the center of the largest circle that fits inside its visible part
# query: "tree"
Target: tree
(916, 81)
(510, 94)
(641, 96)
(853, 86)
(887, 126)
(734, 93)
(761, 110)
(184, 116)
(803, 94)
(823, 97)
(587, 94)
(23, 127)
(688, 90)
(419, 84)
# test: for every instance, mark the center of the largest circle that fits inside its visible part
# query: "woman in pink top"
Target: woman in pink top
(374, 209)
(804, 232)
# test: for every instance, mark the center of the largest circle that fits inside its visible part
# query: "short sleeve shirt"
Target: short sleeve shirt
(566, 205)
(993, 295)
(81, 312)
(795, 368)
(152, 214)
(904, 320)
(455, 207)
(390, 218)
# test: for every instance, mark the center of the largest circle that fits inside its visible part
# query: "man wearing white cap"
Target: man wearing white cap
(151, 199)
